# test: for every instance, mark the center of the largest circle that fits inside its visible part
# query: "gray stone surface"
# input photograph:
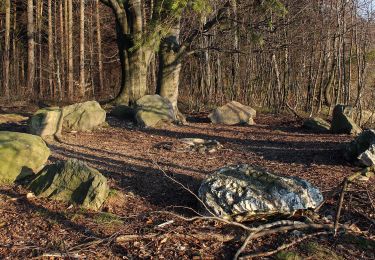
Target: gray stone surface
(83, 117)
(317, 124)
(80, 117)
(72, 181)
(362, 149)
(233, 113)
(153, 110)
(245, 192)
(342, 121)
(46, 122)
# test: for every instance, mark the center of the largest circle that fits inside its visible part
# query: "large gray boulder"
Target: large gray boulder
(247, 192)
(233, 113)
(81, 117)
(362, 149)
(21, 155)
(46, 122)
(342, 121)
(72, 181)
(153, 110)
(317, 124)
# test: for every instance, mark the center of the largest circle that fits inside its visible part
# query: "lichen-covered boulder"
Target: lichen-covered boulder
(362, 149)
(342, 121)
(233, 113)
(247, 192)
(46, 122)
(72, 181)
(21, 155)
(83, 117)
(317, 124)
(152, 110)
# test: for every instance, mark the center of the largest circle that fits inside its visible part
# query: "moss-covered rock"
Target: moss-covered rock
(72, 181)
(317, 124)
(21, 155)
(83, 117)
(152, 110)
(342, 121)
(46, 122)
(233, 113)
(79, 117)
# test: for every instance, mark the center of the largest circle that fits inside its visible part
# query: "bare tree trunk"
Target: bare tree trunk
(6, 50)
(82, 49)
(50, 49)
(134, 59)
(70, 51)
(100, 54)
(30, 48)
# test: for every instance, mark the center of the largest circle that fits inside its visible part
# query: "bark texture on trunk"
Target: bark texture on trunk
(6, 50)
(30, 47)
(134, 57)
(169, 70)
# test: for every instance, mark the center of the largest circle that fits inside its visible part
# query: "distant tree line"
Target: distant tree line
(305, 55)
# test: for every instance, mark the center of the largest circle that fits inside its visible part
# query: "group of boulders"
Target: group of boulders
(80, 117)
(154, 110)
(342, 122)
(239, 193)
(24, 156)
(362, 149)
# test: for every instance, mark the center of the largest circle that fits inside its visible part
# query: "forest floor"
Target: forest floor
(133, 159)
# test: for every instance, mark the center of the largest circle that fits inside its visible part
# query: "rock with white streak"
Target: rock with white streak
(247, 192)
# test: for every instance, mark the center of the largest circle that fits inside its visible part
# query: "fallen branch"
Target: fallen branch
(285, 246)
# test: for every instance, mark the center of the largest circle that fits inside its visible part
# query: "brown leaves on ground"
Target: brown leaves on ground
(31, 227)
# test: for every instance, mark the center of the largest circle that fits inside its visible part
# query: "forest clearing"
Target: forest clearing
(178, 129)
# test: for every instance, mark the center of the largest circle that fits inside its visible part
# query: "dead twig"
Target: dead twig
(285, 246)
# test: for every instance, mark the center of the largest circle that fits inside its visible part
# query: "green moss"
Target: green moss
(316, 251)
(284, 255)
(107, 218)
(20, 155)
(360, 242)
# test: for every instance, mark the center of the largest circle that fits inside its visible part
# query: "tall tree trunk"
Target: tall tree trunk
(70, 51)
(82, 49)
(30, 48)
(50, 49)
(6, 50)
(100, 54)
(134, 59)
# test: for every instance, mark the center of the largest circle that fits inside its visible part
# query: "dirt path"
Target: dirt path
(127, 156)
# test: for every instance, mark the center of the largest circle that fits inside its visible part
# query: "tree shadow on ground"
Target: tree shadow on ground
(148, 182)
(29, 208)
(300, 151)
